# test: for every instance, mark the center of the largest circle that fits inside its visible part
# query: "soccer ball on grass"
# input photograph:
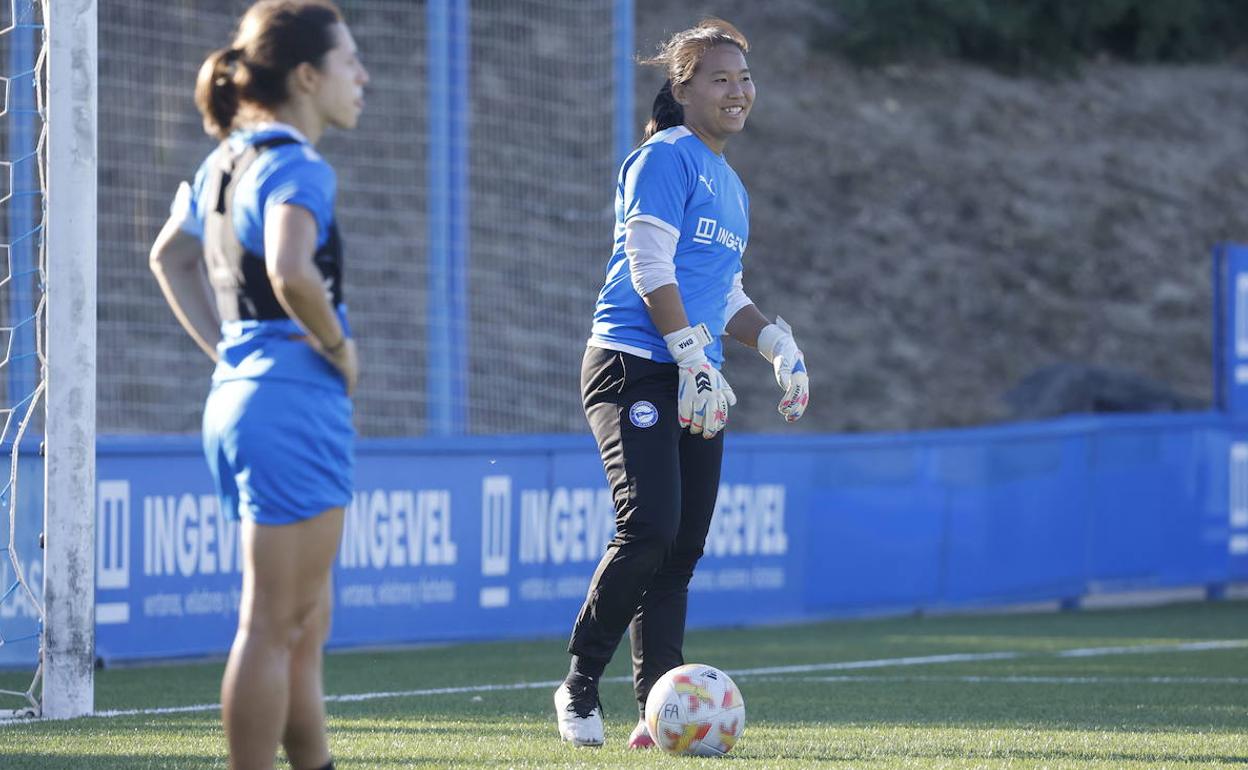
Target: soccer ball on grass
(695, 709)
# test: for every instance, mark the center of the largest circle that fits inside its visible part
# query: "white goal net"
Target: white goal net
(47, 357)
(537, 113)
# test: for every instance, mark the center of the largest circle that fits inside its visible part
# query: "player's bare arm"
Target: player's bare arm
(176, 260)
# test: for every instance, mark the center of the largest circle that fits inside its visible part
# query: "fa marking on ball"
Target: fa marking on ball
(643, 414)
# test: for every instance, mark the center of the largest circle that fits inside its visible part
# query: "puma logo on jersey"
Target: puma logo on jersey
(709, 186)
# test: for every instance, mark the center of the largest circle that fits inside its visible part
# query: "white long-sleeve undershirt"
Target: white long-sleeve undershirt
(737, 298)
(650, 246)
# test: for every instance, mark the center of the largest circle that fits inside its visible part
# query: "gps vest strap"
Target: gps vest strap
(238, 276)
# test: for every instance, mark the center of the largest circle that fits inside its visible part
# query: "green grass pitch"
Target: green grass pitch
(1155, 688)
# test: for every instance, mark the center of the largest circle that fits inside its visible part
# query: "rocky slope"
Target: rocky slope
(937, 232)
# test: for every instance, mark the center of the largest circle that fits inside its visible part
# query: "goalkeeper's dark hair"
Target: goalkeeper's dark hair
(680, 56)
(273, 38)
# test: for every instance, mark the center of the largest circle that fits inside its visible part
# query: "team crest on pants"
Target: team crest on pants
(643, 414)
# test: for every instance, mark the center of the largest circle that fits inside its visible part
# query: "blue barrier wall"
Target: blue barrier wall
(496, 537)
(476, 538)
(19, 619)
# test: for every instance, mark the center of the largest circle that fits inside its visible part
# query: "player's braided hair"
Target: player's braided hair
(680, 56)
(274, 37)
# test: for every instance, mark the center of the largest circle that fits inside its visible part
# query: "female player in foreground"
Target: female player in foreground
(268, 310)
(655, 399)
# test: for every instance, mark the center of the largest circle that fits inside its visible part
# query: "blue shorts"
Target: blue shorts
(279, 452)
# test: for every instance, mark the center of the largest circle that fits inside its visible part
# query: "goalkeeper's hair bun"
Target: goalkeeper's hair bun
(680, 57)
(273, 38)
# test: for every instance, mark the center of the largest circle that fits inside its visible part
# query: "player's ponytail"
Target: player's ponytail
(274, 37)
(680, 56)
(665, 113)
(216, 92)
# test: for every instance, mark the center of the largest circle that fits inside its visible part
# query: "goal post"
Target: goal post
(69, 274)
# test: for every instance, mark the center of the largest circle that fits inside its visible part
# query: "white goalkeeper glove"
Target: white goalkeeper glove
(703, 395)
(776, 344)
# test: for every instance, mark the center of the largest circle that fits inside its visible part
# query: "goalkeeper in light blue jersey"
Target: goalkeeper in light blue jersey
(653, 392)
(269, 310)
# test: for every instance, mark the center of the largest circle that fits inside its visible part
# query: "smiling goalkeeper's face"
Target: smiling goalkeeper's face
(339, 93)
(719, 96)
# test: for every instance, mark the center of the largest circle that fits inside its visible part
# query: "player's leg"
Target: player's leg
(643, 472)
(285, 571)
(305, 740)
(657, 633)
(631, 406)
(281, 456)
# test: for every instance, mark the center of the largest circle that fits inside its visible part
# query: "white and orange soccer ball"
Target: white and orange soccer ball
(695, 709)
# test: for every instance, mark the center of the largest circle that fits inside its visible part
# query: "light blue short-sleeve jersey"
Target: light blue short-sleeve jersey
(290, 173)
(675, 182)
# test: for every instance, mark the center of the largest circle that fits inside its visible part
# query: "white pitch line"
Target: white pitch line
(1098, 680)
(922, 660)
(364, 696)
(1090, 652)
(967, 657)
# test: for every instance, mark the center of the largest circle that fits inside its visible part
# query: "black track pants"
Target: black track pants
(664, 482)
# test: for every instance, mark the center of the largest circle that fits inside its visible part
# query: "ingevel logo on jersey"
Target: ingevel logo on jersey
(709, 231)
(706, 230)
